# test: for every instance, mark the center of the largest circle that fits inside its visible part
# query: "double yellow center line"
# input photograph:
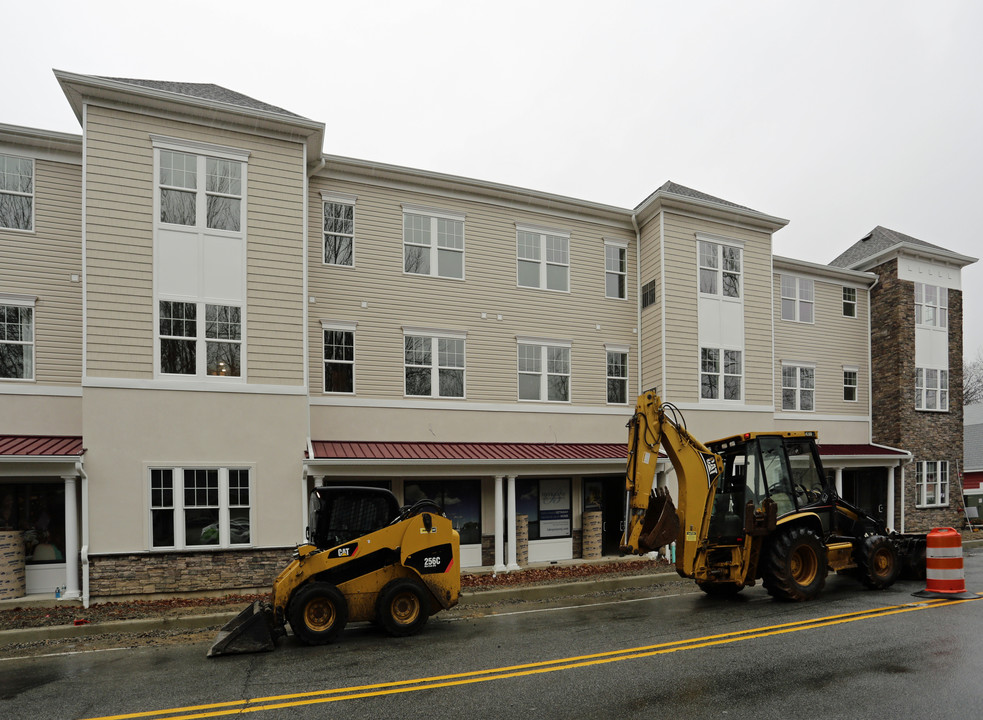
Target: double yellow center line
(276, 702)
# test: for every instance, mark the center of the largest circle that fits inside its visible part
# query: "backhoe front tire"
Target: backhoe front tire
(878, 562)
(795, 567)
(318, 612)
(403, 607)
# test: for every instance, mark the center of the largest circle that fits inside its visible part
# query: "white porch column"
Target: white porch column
(71, 539)
(839, 481)
(499, 523)
(889, 515)
(510, 514)
(319, 481)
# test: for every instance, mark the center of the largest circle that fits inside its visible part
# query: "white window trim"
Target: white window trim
(920, 401)
(543, 344)
(620, 245)
(921, 485)
(28, 301)
(338, 326)
(798, 385)
(178, 507)
(719, 242)
(338, 198)
(434, 335)
(201, 342)
(623, 350)
(434, 214)
(941, 308)
(33, 195)
(856, 388)
(543, 231)
(797, 298)
(855, 302)
(197, 147)
(721, 375)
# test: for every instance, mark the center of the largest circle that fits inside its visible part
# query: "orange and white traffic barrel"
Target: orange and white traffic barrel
(944, 576)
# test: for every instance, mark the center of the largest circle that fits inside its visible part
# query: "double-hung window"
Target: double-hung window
(931, 306)
(932, 483)
(798, 387)
(215, 204)
(720, 269)
(199, 507)
(617, 375)
(16, 193)
(543, 258)
(544, 370)
(648, 294)
(932, 389)
(339, 357)
(850, 384)
(798, 299)
(339, 228)
(433, 363)
(721, 374)
(433, 242)
(16, 337)
(191, 347)
(615, 270)
(849, 302)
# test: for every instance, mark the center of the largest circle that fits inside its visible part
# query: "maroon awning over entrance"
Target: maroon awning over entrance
(41, 446)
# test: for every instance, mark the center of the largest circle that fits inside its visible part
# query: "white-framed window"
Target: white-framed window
(338, 217)
(849, 302)
(850, 376)
(16, 337)
(932, 389)
(215, 204)
(798, 387)
(16, 193)
(648, 294)
(798, 299)
(544, 370)
(720, 269)
(200, 507)
(542, 258)
(433, 363)
(190, 347)
(433, 242)
(615, 270)
(931, 306)
(339, 356)
(932, 483)
(721, 374)
(617, 375)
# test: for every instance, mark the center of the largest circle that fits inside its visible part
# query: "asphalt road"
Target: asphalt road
(667, 652)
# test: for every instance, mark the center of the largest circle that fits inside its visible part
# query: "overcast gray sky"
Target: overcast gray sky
(838, 116)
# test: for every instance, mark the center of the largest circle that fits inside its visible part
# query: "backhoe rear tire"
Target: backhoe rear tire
(878, 562)
(795, 566)
(318, 612)
(403, 607)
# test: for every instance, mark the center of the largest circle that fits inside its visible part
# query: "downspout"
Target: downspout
(84, 554)
(638, 299)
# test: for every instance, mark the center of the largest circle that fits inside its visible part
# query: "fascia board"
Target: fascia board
(826, 271)
(904, 248)
(666, 200)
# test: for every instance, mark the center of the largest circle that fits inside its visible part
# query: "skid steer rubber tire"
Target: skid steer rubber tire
(403, 607)
(878, 562)
(795, 566)
(318, 612)
(720, 589)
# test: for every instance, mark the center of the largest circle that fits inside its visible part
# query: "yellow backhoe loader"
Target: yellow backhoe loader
(366, 559)
(752, 506)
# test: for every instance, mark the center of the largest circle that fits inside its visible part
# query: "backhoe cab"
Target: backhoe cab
(756, 505)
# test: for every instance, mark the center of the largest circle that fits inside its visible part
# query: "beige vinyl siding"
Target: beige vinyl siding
(651, 329)
(120, 223)
(41, 263)
(395, 299)
(682, 315)
(831, 342)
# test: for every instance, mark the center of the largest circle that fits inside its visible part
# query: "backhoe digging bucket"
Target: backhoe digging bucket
(248, 632)
(661, 525)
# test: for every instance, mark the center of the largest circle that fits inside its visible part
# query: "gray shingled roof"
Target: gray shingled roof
(676, 189)
(207, 91)
(876, 241)
(973, 437)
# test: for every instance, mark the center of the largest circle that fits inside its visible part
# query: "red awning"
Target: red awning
(327, 450)
(41, 446)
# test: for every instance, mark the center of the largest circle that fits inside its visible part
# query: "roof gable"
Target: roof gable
(882, 239)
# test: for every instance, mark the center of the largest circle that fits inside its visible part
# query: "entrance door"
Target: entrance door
(608, 493)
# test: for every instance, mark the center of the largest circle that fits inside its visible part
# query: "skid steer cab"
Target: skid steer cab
(366, 560)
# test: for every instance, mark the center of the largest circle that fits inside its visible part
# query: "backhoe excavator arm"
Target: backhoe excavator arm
(652, 521)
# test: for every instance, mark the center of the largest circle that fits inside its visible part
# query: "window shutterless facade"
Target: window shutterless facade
(338, 217)
(721, 374)
(16, 193)
(433, 242)
(648, 294)
(543, 259)
(849, 302)
(16, 337)
(850, 384)
(798, 387)
(617, 376)
(339, 357)
(615, 270)
(215, 204)
(932, 389)
(720, 269)
(544, 371)
(931, 306)
(434, 365)
(191, 347)
(932, 483)
(798, 299)
(200, 508)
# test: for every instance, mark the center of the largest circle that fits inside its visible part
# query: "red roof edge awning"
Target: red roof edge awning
(60, 446)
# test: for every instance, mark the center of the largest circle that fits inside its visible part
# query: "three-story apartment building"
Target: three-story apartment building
(204, 316)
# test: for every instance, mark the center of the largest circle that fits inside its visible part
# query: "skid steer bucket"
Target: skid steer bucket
(248, 632)
(661, 525)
